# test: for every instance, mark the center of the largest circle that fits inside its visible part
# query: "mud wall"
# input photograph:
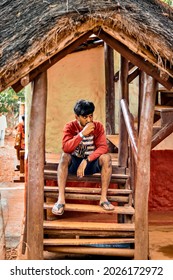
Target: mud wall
(161, 186)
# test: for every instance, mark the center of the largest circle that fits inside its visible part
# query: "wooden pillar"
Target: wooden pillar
(110, 90)
(2, 234)
(124, 94)
(141, 95)
(143, 171)
(36, 169)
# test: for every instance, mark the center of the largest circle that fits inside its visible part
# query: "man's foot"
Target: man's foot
(58, 208)
(106, 205)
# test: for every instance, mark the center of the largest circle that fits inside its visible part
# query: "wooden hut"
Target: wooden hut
(36, 35)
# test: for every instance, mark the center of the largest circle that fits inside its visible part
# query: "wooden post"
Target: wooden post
(143, 171)
(141, 94)
(124, 94)
(110, 90)
(36, 169)
(2, 234)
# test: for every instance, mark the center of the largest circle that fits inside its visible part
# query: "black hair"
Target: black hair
(84, 107)
(23, 117)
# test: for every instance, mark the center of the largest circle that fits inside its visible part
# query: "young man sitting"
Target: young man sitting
(85, 152)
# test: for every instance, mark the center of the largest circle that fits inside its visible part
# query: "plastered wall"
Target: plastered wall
(80, 75)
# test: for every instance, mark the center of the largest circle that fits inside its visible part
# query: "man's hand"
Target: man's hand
(81, 168)
(88, 128)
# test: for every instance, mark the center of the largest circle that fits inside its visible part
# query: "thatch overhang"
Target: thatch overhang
(34, 33)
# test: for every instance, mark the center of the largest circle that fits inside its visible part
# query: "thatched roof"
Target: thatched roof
(32, 32)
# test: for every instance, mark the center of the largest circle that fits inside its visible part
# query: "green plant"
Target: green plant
(169, 2)
(9, 100)
(9, 104)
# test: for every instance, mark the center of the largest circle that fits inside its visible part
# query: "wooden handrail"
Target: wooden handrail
(130, 127)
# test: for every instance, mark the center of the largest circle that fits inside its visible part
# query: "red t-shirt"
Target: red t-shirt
(71, 139)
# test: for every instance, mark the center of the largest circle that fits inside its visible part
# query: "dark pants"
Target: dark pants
(91, 168)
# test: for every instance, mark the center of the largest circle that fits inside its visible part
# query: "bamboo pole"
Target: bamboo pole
(36, 169)
(143, 171)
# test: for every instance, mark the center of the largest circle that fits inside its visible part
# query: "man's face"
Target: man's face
(83, 120)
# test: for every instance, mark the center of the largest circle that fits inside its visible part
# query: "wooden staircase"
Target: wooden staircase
(86, 228)
(164, 106)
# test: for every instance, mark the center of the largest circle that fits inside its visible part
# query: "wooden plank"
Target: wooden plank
(143, 171)
(62, 224)
(92, 251)
(163, 108)
(127, 210)
(85, 241)
(93, 179)
(87, 190)
(96, 175)
(36, 169)
(90, 197)
(69, 233)
(114, 139)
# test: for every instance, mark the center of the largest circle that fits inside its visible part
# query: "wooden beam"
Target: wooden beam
(25, 81)
(52, 60)
(110, 90)
(36, 169)
(133, 75)
(130, 127)
(117, 74)
(134, 58)
(164, 132)
(143, 171)
(124, 94)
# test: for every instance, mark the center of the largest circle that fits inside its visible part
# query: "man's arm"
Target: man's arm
(70, 139)
(100, 143)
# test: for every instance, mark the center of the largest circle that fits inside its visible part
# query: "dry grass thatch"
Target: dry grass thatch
(33, 31)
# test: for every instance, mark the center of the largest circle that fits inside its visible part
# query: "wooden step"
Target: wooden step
(88, 190)
(86, 241)
(115, 178)
(126, 210)
(90, 226)
(163, 108)
(118, 252)
(91, 194)
(89, 197)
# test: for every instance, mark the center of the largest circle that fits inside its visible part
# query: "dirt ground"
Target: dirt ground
(12, 201)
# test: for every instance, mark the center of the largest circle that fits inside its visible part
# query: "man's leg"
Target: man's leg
(62, 174)
(106, 172)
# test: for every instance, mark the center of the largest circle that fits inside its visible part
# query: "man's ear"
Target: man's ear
(76, 117)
